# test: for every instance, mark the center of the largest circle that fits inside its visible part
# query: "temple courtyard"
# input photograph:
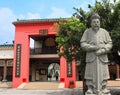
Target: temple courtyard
(51, 88)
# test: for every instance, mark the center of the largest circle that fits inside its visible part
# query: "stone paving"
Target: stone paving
(43, 89)
(40, 92)
(9, 91)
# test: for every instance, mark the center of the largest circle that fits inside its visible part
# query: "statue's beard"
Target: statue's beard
(96, 28)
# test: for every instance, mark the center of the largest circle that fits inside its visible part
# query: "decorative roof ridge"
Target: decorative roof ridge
(7, 45)
(39, 20)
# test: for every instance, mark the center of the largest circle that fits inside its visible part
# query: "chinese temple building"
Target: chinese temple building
(6, 62)
(31, 64)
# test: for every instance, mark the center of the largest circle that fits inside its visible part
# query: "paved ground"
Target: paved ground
(40, 92)
(46, 88)
(9, 91)
(53, 85)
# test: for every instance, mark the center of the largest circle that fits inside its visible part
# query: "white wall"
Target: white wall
(6, 54)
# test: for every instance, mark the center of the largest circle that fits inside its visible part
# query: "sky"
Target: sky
(11, 10)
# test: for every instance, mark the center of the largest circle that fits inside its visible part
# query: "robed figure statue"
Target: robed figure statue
(97, 43)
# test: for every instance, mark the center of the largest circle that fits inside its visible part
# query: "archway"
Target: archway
(52, 69)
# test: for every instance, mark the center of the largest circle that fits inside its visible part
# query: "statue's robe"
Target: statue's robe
(102, 40)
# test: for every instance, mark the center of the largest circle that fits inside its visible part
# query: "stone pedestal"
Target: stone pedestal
(89, 94)
(106, 94)
(100, 93)
(97, 94)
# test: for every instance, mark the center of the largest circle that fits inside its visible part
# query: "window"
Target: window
(10, 63)
(2, 63)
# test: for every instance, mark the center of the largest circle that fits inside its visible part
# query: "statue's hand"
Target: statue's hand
(100, 51)
(93, 47)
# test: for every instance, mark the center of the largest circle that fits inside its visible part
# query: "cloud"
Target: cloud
(29, 16)
(58, 12)
(85, 3)
(33, 16)
(7, 16)
(7, 28)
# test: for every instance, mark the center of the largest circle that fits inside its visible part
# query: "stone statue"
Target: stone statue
(97, 43)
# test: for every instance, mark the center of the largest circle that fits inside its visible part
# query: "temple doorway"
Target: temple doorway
(40, 70)
(53, 72)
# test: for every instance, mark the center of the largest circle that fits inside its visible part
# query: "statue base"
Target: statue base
(89, 94)
(97, 94)
(106, 94)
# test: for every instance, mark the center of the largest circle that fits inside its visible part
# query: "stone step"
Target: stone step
(5, 84)
(52, 85)
(42, 85)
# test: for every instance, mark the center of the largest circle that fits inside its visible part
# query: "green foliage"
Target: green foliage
(68, 38)
(115, 35)
(70, 31)
(82, 16)
(109, 13)
(110, 20)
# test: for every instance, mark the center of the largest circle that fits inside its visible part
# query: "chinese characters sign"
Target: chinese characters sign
(69, 69)
(43, 31)
(18, 60)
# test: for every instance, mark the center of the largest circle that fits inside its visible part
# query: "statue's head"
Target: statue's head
(95, 21)
(95, 16)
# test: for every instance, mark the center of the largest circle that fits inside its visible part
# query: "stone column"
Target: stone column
(5, 72)
(117, 72)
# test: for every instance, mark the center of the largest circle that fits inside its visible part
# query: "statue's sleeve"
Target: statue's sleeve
(84, 43)
(108, 42)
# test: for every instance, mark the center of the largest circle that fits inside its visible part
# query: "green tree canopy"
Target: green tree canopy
(110, 20)
(68, 38)
(70, 31)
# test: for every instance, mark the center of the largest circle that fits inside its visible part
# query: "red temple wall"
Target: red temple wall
(23, 32)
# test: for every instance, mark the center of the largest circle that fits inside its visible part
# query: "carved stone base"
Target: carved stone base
(106, 94)
(89, 94)
(97, 94)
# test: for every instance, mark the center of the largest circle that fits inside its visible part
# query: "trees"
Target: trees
(70, 31)
(110, 20)
(115, 34)
(68, 38)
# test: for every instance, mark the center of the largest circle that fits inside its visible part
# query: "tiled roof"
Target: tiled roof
(39, 20)
(6, 46)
